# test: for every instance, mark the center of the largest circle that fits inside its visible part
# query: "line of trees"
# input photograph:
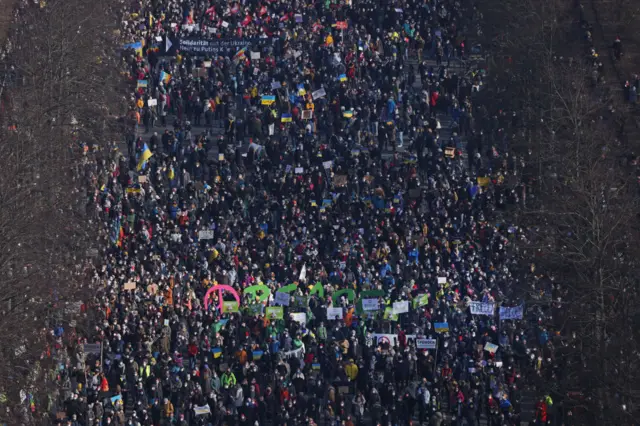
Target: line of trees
(58, 87)
(583, 200)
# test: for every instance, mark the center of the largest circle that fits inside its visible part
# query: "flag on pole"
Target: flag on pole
(144, 157)
(165, 77)
(303, 273)
(241, 54)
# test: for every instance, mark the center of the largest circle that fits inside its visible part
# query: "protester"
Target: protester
(369, 256)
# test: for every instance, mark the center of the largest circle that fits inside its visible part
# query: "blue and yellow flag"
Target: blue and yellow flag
(268, 99)
(347, 114)
(142, 83)
(342, 77)
(286, 118)
(144, 158)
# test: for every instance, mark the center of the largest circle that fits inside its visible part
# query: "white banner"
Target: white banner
(511, 313)
(320, 93)
(389, 338)
(392, 339)
(297, 353)
(205, 235)
(482, 308)
(401, 307)
(299, 317)
(426, 343)
(333, 313)
(370, 304)
(202, 410)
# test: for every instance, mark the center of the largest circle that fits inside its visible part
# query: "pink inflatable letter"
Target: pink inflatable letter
(220, 288)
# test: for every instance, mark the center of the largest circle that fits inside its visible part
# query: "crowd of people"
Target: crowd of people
(350, 266)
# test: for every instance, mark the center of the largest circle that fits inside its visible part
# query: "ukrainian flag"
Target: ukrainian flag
(217, 352)
(347, 114)
(268, 99)
(171, 174)
(144, 157)
(301, 90)
(342, 77)
(165, 77)
(286, 118)
(142, 83)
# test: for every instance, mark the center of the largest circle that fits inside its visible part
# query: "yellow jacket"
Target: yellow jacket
(352, 371)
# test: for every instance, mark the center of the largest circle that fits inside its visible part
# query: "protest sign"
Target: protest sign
(426, 343)
(255, 55)
(482, 308)
(318, 94)
(299, 170)
(282, 299)
(230, 306)
(389, 315)
(391, 339)
(342, 25)
(206, 234)
(401, 307)
(202, 410)
(296, 353)
(515, 312)
(131, 285)
(449, 152)
(299, 317)
(255, 309)
(142, 179)
(490, 347)
(423, 299)
(340, 180)
(370, 304)
(441, 327)
(334, 313)
(276, 312)
(442, 280)
(307, 114)
(152, 102)
(91, 348)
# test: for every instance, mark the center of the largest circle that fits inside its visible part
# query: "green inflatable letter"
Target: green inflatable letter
(317, 289)
(351, 295)
(264, 291)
